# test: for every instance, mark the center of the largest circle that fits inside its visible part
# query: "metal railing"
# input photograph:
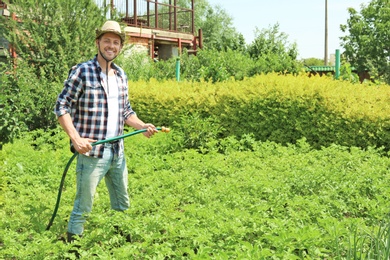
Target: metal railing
(163, 15)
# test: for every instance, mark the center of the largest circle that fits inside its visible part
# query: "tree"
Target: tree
(313, 62)
(218, 30)
(367, 43)
(49, 37)
(272, 51)
(52, 35)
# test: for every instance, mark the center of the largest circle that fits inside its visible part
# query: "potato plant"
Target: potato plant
(244, 199)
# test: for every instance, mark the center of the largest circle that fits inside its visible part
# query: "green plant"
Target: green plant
(27, 102)
(196, 131)
(366, 43)
(370, 243)
(272, 52)
(136, 63)
(347, 74)
(56, 36)
(256, 200)
(48, 41)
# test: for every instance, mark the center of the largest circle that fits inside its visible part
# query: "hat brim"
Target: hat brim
(99, 33)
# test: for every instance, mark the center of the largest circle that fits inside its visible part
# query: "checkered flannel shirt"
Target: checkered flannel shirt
(85, 99)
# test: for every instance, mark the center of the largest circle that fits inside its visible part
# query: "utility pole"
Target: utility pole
(326, 34)
(112, 8)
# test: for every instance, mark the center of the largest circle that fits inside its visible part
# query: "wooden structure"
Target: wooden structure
(162, 27)
(3, 5)
(324, 70)
(3, 43)
(3, 9)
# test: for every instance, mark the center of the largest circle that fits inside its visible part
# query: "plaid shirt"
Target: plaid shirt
(85, 99)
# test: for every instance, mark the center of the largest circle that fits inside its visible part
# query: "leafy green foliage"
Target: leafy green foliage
(367, 44)
(136, 64)
(272, 107)
(27, 102)
(206, 65)
(219, 66)
(48, 40)
(53, 37)
(255, 200)
(272, 52)
(313, 62)
(347, 74)
(218, 31)
(198, 132)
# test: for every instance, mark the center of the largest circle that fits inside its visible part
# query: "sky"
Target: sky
(302, 20)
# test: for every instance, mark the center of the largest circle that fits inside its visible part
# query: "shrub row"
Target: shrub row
(280, 108)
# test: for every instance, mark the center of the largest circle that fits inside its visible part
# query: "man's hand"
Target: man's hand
(151, 130)
(83, 145)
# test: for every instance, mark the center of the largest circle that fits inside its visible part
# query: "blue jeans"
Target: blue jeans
(90, 171)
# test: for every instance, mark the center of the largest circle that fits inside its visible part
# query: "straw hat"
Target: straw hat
(112, 27)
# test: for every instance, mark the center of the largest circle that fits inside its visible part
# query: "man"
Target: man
(92, 106)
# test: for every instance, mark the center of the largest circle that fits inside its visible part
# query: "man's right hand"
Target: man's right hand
(83, 145)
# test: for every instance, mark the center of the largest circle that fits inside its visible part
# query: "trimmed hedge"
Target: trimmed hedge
(280, 108)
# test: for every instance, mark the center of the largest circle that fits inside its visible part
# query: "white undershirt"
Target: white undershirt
(113, 105)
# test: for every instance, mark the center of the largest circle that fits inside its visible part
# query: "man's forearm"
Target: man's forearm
(138, 124)
(67, 124)
(135, 122)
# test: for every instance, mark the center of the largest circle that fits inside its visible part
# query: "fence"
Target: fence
(163, 15)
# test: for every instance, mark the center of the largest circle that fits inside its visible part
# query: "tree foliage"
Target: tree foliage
(218, 30)
(49, 37)
(272, 51)
(313, 62)
(52, 35)
(367, 45)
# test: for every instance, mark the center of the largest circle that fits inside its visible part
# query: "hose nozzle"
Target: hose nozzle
(165, 129)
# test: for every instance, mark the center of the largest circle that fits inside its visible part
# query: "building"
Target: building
(3, 43)
(162, 28)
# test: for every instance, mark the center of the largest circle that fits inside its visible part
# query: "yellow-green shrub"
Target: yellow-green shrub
(274, 107)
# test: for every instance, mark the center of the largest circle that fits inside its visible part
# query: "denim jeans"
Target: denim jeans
(90, 171)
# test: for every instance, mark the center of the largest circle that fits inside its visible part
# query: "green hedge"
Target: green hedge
(272, 107)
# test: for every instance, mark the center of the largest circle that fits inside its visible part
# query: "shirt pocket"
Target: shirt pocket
(94, 91)
(94, 98)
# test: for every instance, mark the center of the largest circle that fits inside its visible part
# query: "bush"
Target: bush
(27, 101)
(206, 65)
(136, 63)
(278, 108)
(49, 37)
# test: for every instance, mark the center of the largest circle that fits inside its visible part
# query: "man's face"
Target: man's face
(109, 45)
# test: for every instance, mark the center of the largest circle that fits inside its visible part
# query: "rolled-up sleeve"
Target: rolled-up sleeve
(69, 94)
(128, 110)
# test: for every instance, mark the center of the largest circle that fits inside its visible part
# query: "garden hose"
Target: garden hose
(162, 129)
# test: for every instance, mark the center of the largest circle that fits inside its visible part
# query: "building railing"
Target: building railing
(3, 5)
(163, 15)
